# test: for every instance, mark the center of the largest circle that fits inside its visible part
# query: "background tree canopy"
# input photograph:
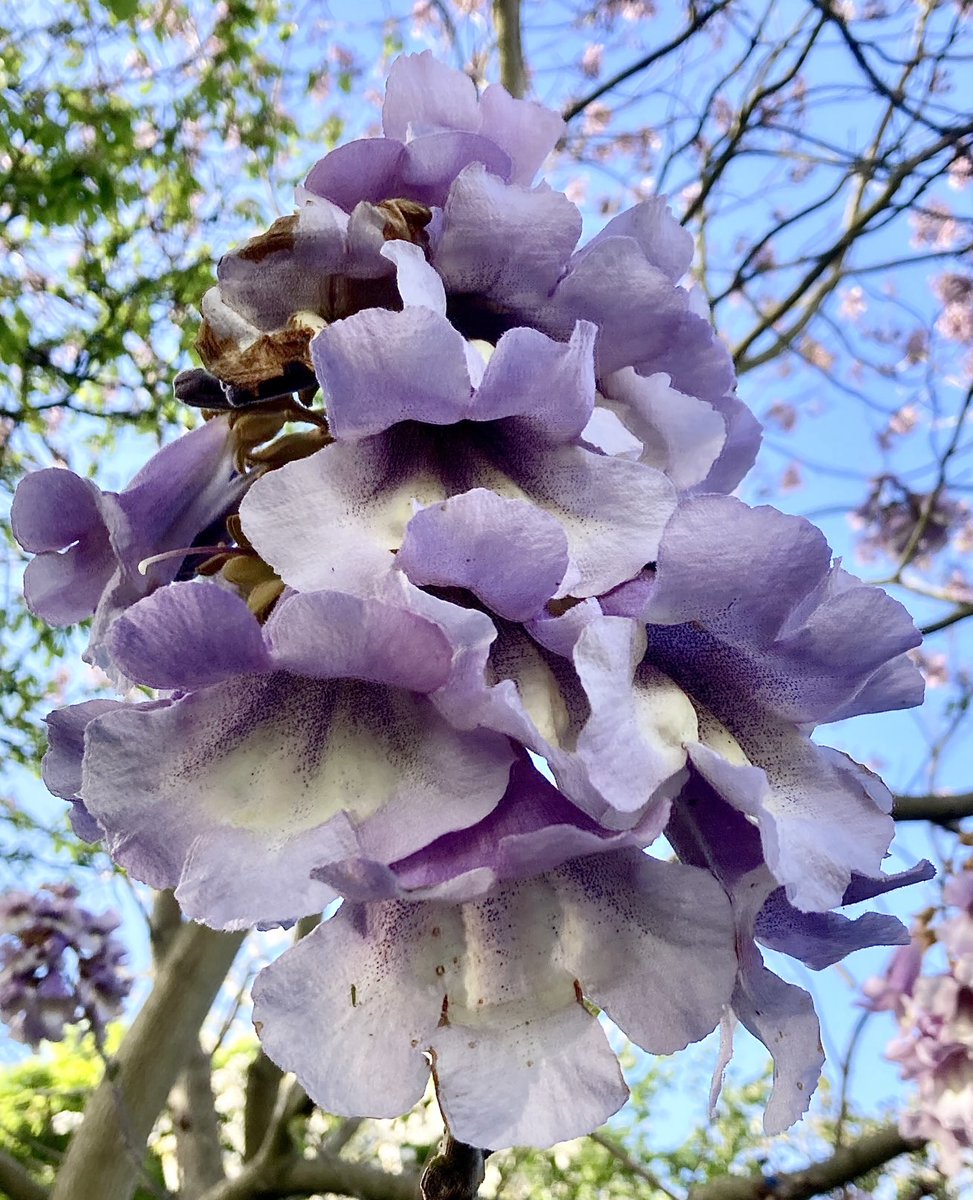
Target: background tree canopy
(822, 156)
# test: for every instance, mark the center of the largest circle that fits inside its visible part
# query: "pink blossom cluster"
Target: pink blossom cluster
(934, 1045)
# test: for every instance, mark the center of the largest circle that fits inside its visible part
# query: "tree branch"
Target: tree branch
(513, 70)
(844, 1166)
(197, 1127)
(105, 1155)
(16, 1182)
(933, 807)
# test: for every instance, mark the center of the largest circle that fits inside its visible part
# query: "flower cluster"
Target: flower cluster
(896, 521)
(502, 541)
(59, 964)
(935, 1015)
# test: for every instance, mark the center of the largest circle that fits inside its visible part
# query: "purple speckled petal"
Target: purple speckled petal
(394, 983)
(794, 649)
(188, 635)
(680, 435)
(662, 240)
(821, 816)
(547, 387)
(508, 553)
(645, 928)
(612, 510)
(273, 760)
(332, 520)
(505, 243)
(378, 368)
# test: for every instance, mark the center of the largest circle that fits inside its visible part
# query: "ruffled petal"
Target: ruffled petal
(680, 435)
(503, 243)
(794, 648)
(639, 930)
(546, 387)
(477, 988)
(662, 240)
(506, 552)
(188, 635)
(378, 368)
(644, 321)
(527, 131)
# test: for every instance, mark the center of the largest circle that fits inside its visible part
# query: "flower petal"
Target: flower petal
(378, 368)
(188, 635)
(507, 552)
(270, 761)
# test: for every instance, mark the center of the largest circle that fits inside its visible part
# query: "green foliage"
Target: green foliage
(41, 1101)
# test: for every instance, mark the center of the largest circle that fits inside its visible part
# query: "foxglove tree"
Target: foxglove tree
(459, 623)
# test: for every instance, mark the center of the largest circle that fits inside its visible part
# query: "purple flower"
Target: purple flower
(504, 540)
(59, 964)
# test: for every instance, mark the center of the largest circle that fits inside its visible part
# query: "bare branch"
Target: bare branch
(263, 1084)
(16, 1182)
(844, 1166)
(933, 807)
(197, 1128)
(578, 106)
(104, 1157)
(506, 21)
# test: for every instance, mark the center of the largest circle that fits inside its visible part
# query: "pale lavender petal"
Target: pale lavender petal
(419, 285)
(527, 131)
(794, 649)
(820, 814)
(491, 1007)
(680, 435)
(331, 635)
(612, 510)
(662, 240)
(54, 508)
(547, 387)
(504, 243)
(507, 552)
(378, 368)
(431, 163)
(641, 930)
(644, 321)
(782, 1017)
(62, 588)
(61, 766)
(333, 520)
(423, 95)
(743, 437)
(350, 1009)
(188, 635)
